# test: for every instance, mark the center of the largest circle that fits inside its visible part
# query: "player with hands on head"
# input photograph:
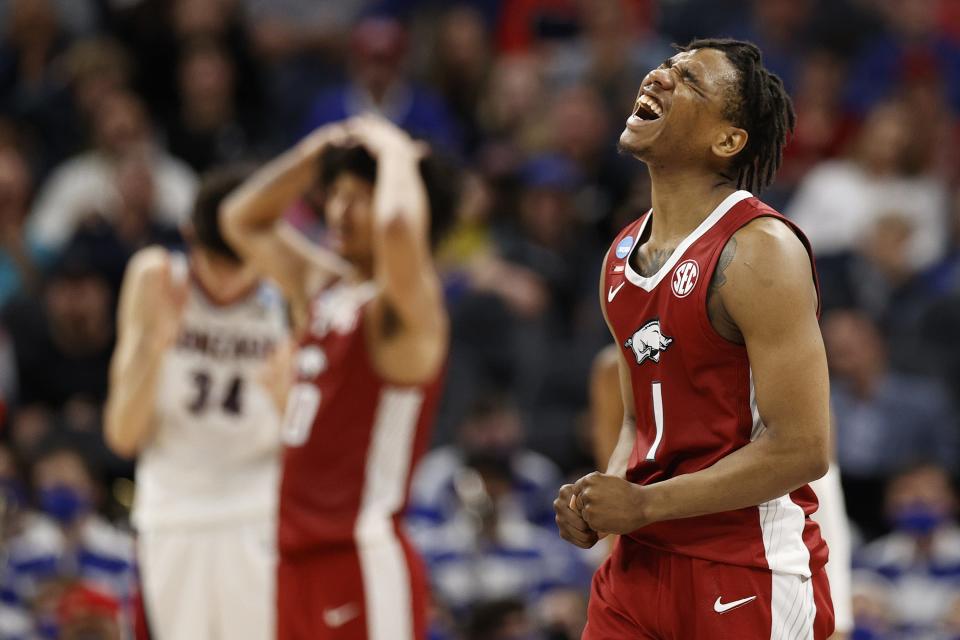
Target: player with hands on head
(196, 334)
(373, 338)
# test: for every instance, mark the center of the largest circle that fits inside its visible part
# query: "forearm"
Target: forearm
(129, 410)
(261, 201)
(399, 191)
(763, 470)
(620, 459)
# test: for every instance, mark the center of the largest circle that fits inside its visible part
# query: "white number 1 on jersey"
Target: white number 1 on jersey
(657, 419)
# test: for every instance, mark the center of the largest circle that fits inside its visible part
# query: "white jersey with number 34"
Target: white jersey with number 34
(215, 453)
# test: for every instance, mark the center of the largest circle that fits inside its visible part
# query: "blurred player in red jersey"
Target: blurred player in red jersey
(373, 337)
(712, 300)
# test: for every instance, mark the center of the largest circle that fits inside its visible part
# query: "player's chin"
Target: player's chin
(632, 143)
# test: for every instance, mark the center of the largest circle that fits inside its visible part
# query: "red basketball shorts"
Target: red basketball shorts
(641, 593)
(372, 592)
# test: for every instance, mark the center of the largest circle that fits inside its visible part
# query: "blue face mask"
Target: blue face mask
(63, 503)
(918, 519)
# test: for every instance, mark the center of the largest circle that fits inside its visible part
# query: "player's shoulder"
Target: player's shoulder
(764, 265)
(767, 244)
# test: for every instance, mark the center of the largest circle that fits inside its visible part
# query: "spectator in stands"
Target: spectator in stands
(156, 32)
(920, 560)
(489, 549)
(211, 127)
(491, 433)
(68, 543)
(93, 69)
(15, 622)
(616, 46)
(12, 494)
(528, 302)
(579, 131)
(913, 42)
(461, 65)
(20, 259)
(513, 102)
(525, 24)
(781, 29)
(884, 419)
(300, 44)
(839, 200)
(32, 40)
(31, 85)
(84, 613)
(823, 127)
(873, 615)
(85, 185)
(502, 619)
(378, 81)
(554, 348)
(62, 343)
(942, 315)
(111, 243)
(284, 29)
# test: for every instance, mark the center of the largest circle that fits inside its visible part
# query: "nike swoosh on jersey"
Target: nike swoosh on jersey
(721, 607)
(341, 615)
(611, 294)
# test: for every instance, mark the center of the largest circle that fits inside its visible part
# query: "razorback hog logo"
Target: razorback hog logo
(647, 342)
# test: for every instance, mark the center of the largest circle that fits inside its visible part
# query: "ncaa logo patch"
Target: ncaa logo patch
(685, 278)
(624, 247)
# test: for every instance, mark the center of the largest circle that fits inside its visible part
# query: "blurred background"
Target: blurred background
(111, 109)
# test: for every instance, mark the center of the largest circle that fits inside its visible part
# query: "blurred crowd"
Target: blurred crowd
(111, 109)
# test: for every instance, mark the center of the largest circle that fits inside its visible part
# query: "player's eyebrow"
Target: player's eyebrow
(691, 77)
(685, 71)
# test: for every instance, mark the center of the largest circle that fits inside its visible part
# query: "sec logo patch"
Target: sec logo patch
(685, 278)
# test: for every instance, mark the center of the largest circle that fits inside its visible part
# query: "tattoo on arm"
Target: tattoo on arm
(726, 257)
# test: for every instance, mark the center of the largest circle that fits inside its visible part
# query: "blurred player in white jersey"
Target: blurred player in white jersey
(189, 395)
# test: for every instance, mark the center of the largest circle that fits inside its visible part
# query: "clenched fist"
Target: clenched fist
(610, 504)
(572, 527)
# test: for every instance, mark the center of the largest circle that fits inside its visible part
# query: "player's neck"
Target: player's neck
(221, 284)
(682, 200)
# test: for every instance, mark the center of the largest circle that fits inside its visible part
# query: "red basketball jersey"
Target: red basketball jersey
(352, 438)
(694, 396)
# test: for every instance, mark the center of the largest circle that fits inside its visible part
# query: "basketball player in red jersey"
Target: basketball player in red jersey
(712, 300)
(373, 342)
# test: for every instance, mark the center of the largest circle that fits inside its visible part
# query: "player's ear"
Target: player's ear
(729, 142)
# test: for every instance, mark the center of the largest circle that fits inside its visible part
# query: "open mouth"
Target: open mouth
(646, 108)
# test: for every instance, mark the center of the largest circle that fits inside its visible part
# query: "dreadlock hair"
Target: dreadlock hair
(758, 104)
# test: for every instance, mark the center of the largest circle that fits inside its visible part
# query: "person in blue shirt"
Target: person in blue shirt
(66, 544)
(377, 82)
(919, 562)
(884, 418)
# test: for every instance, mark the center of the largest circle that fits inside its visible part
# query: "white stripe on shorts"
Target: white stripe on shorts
(383, 565)
(793, 608)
